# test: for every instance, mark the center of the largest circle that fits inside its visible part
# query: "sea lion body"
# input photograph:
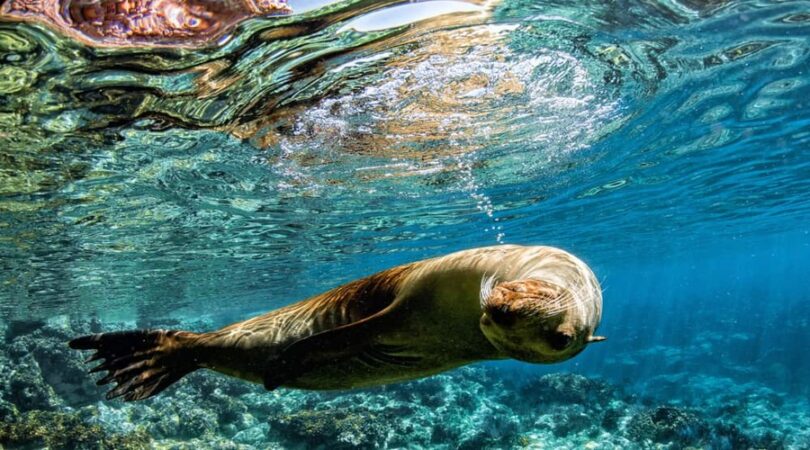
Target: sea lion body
(403, 323)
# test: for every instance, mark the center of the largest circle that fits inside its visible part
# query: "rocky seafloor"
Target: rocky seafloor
(47, 400)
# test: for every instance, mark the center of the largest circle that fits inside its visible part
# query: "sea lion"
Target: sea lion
(115, 23)
(535, 304)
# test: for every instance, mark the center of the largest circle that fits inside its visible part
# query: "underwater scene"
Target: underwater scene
(520, 224)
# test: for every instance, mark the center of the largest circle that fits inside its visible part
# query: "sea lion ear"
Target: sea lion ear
(596, 339)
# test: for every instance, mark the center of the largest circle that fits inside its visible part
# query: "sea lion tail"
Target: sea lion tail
(141, 362)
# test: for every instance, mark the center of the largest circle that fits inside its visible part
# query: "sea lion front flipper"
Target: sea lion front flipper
(350, 341)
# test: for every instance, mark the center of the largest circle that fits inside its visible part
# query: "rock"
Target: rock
(567, 389)
(196, 422)
(339, 429)
(21, 327)
(667, 424)
(253, 436)
(490, 426)
(26, 389)
(48, 400)
(573, 420)
(64, 430)
(8, 411)
(50, 372)
(612, 415)
(730, 436)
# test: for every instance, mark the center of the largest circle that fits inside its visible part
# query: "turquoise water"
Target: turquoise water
(663, 142)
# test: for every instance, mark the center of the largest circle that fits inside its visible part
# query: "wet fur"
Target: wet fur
(402, 323)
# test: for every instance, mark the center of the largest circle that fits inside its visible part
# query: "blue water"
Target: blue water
(665, 143)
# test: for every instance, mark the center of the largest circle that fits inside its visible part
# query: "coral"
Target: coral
(208, 383)
(63, 430)
(26, 389)
(613, 415)
(571, 420)
(490, 426)
(227, 408)
(180, 417)
(252, 436)
(730, 436)
(47, 400)
(46, 372)
(341, 428)
(667, 424)
(195, 422)
(8, 411)
(567, 389)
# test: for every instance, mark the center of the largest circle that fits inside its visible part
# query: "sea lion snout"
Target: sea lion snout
(533, 320)
(527, 298)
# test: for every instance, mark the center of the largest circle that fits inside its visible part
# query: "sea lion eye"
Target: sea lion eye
(559, 341)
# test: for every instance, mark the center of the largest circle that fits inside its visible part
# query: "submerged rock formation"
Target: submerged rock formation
(45, 401)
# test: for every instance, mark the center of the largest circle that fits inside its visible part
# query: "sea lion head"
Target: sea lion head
(538, 321)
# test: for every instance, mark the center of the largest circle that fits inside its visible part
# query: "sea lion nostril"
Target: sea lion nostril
(559, 341)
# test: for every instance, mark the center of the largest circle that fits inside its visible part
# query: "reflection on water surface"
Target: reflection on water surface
(390, 129)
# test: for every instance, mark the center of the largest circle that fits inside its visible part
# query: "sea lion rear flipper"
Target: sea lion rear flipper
(141, 362)
(336, 345)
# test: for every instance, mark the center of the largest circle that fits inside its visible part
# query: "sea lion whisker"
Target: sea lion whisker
(565, 300)
(487, 285)
(556, 309)
(558, 306)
